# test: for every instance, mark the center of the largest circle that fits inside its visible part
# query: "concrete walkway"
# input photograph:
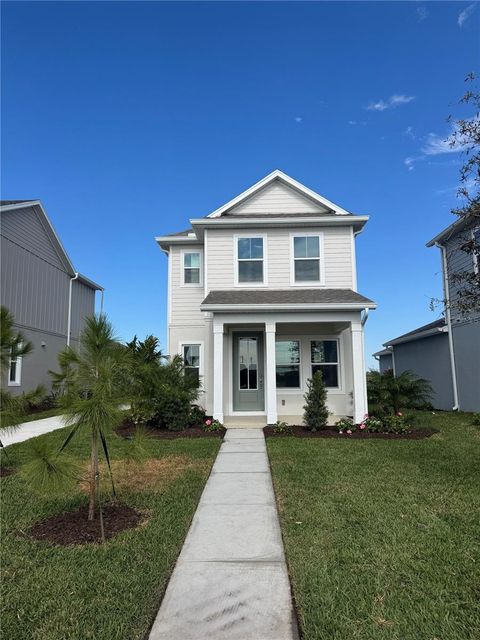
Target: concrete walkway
(32, 429)
(230, 581)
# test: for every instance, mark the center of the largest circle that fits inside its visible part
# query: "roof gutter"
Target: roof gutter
(446, 295)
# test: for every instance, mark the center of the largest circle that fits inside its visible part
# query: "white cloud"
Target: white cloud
(392, 102)
(352, 122)
(422, 13)
(298, 119)
(410, 162)
(410, 133)
(464, 15)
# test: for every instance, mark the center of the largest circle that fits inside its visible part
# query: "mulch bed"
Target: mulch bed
(302, 432)
(6, 471)
(73, 527)
(127, 430)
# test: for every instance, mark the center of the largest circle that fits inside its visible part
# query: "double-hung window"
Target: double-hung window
(191, 268)
(191, 358)
(324, 358)
(15, 371)
(287, 356)
(306, 259)
(250, 253)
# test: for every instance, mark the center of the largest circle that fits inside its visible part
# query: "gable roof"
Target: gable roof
(325, 205)
(448, 232)
(430, 329)
(18, 205)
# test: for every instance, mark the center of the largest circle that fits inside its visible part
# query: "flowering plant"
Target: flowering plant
(212, 425)
(373, 425)
(345, 425)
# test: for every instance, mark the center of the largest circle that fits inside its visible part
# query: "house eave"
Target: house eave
(416, 336)
(252, 308)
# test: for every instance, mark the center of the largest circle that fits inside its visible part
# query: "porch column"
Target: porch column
(360, 407)
(218, 371)
(271, 391)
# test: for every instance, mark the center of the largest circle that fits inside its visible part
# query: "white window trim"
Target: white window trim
(321, 259)
(293, 390)
(191, 285)
(250, 285)
(18, 373)
(201, 372)
(338, 389)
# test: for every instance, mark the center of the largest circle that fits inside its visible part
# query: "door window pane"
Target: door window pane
(247, 360)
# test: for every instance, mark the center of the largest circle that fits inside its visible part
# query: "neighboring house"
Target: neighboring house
(39, 286)
(424, 351)
(447, 351)
(261, 294)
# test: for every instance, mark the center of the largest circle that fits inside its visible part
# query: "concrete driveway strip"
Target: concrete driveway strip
(32, 429)
(230, 581)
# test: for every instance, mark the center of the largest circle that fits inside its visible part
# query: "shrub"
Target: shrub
(212, 425)
(315, 409)
(197, 416)
(389, 393)
(371, 424)
(395, 424)
(345, 425)
(476, 419)
(281, 427)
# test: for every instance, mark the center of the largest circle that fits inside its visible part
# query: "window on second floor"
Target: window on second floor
(250, 258)
(306, 266)
(192, 268)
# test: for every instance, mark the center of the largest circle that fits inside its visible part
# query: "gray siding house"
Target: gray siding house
(447, 351)
(40, 287)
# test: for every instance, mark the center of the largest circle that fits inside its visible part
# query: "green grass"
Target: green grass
(48, 413)
(104, 592)
(382, 536)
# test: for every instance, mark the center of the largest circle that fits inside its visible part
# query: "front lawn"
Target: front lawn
(104, 592)
(382, 537)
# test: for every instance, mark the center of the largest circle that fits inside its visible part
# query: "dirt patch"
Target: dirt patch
(153, 474)
(6, 471)
(127, 430)
(73, 527)
(302, 432)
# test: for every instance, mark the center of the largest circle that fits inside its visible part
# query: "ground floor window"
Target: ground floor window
(324, 358)
(191, 358)
(287, 357)
(15, 371)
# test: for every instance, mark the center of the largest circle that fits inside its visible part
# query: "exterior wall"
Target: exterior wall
(34, 285)
(429, 358)
(385, 363)
(185, 300)
(338, 257)
(466, 344)
(458, 261)
(276, 198)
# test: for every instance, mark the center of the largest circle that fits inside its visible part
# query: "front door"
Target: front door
(248, 372)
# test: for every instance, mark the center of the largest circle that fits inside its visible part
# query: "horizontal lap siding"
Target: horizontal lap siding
(458, 261)
(276, 198)
(337, 251)
(185, 300)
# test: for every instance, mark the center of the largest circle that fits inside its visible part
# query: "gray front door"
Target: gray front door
(248, 392)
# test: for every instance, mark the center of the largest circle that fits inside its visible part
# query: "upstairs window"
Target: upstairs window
(191, 268)
(250, 260)
(324, 358)
(191, 358)
(306, 259)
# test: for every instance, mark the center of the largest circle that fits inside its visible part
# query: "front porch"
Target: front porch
(262, 362)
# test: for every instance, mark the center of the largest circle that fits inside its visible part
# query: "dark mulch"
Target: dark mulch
(127, 430)
(73, 527)
(302, 432)
(6, 471)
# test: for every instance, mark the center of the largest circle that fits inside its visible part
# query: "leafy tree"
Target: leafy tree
(93, 384)
(466, 137)
(390, 394)
(315, 409)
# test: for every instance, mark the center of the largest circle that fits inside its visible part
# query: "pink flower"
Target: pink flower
(362, 426)
(349, 431)
(208, 422)
(399, 413)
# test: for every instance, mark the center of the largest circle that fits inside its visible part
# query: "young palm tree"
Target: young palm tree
(397, 392)
(93, 381)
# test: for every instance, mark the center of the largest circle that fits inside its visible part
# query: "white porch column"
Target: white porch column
(359, 376)
(218, 371)
(271, 391)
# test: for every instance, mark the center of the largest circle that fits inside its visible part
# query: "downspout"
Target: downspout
(101, 300)
(446, 294)
(69, 320)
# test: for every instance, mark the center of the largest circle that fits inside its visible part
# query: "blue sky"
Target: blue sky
(126, 119)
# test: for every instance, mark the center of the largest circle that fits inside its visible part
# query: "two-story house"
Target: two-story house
(262, 293)
(49, 300)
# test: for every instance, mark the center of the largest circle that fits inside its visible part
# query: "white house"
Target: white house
(263, 292)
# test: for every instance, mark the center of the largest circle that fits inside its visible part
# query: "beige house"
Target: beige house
(262, 293)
